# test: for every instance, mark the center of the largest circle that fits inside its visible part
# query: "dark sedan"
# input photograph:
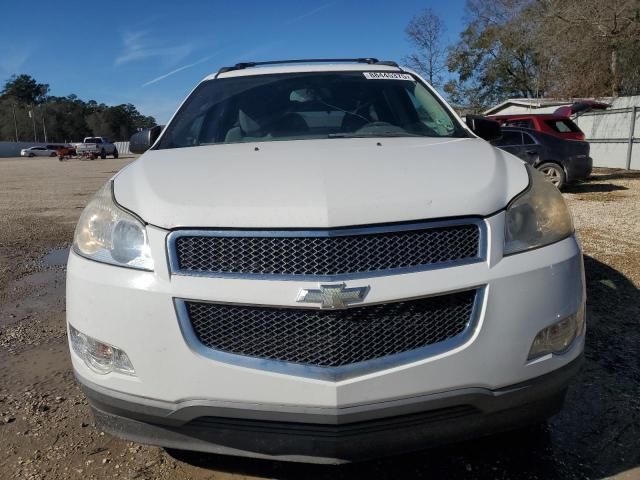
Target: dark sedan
(562, 161)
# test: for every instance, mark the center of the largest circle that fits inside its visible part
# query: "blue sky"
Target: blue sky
(152, 53)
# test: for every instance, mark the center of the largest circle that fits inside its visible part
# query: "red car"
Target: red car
(557, 123)
(549, 123)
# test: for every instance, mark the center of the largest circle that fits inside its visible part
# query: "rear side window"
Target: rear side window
(563, 126)
(510, 138)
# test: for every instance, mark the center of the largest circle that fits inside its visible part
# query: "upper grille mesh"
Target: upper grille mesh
(326, 255)
(331, 338)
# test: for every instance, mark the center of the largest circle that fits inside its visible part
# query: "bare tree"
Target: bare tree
(535, 48)
(596, 44)
(425, 32)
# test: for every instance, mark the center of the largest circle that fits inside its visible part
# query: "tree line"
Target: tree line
(28, 113)
(531, 49)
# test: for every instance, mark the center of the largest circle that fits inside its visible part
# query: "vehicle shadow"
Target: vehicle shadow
(615, 174)
(596, 435)
(474, 459)
(593, 187)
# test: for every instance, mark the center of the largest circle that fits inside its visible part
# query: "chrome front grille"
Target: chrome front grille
(330, 339)
(325, 254)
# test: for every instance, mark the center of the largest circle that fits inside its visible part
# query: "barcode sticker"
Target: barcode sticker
(388, 76)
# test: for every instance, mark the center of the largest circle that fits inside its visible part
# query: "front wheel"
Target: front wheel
(553, 173)
(115, 153)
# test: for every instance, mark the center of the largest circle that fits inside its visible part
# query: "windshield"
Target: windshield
(296, 106)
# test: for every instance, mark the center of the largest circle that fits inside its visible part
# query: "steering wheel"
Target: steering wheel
(376, 125)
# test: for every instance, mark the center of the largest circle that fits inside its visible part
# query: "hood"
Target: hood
(319, 183)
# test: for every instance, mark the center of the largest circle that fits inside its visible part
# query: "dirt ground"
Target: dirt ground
(46, 428)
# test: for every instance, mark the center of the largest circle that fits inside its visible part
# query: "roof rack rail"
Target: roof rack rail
(370, 61)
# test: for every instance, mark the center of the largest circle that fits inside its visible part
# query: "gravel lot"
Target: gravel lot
(46, 429)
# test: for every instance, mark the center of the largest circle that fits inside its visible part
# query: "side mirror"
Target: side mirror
(140, 142)
(484, 127)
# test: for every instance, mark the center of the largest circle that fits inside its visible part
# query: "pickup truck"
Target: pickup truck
(96, 146)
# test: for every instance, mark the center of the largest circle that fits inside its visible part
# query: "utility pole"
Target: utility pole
(33, 122)
(15, 123)
(632, 128)
(44, 128)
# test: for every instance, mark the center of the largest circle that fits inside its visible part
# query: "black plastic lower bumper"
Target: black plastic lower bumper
(459, 416)
(578, 169)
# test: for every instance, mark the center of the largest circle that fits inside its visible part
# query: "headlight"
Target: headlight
(108, 234)
(538, 217)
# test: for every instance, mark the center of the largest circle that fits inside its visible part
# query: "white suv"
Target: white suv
(321, 262)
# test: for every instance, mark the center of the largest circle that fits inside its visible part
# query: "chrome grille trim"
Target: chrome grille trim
(333, 374)
(175, 268)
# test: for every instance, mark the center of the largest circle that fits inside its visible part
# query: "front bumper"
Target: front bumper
(412, 425)
(135, 311)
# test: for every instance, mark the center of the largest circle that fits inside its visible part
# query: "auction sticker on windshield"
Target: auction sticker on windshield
(387, 76)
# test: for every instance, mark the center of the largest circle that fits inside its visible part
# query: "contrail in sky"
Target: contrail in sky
(179, 69)
(202, 60)
(308, 14)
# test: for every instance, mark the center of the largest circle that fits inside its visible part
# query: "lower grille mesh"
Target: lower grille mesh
(331, 338)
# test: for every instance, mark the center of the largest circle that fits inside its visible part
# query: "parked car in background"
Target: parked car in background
(96, 147)
(562, 127)
(561, 161)
(558, 123)
(37, 152)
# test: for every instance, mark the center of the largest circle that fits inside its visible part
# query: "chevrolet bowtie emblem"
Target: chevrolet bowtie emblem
(333, 296)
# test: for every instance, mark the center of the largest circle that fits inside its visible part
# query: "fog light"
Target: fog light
(559, 336)
(100, 357)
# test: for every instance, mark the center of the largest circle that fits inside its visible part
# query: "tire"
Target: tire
(30, 155)
(52, 154)
(103, 154)
(115, 153)
(553, 173)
